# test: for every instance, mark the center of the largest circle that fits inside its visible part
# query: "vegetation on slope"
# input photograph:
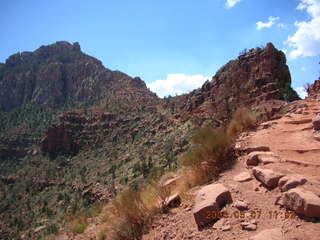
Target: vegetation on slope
(130, 214)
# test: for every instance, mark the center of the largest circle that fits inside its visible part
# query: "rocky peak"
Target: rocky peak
(59, 73)
(43, 52)
(256, 77)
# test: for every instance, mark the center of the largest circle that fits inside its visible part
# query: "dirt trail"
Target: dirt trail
(291, 138)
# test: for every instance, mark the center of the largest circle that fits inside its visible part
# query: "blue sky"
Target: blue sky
(173, 45)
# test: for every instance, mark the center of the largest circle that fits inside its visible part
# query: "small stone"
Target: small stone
(243, 177)
(241, 205)
(244, 223)
(226, 228)
(248, 226)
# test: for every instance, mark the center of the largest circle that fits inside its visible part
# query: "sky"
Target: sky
(173, 45)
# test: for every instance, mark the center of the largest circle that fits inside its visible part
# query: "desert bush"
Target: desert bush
(206, 156)
(128, 215)
(242, 120)
(161, 194)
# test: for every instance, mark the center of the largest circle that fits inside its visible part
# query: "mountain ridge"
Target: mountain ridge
(57, 73)
(105, 130)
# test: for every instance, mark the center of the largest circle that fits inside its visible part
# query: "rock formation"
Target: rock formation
(314, 90)
(60, 73)
(255, 78)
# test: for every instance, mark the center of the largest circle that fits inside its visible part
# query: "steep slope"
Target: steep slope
(36, 86)
(87, 132)
(292, 150)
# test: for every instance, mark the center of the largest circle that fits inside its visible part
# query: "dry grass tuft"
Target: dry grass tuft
(243, 119)
(204, 160)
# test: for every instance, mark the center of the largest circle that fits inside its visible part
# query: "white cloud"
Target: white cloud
(306, 40)
(177, 84)
(272, 20)
(285, 51)
(301, 92)
(232, 3)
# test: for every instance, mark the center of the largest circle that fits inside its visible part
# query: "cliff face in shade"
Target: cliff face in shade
(253, 79)
(59, 73)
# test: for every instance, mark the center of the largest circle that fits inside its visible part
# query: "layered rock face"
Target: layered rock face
(58, 73)
(256, 77)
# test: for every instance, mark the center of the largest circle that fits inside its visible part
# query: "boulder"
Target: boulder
(269, 234)
(316, 122)
(291, 181)
(254, 158)
(209, 201)
(301, 201)
(267, 177)
(243, 177)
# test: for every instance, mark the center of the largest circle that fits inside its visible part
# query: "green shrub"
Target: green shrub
(123, 180)
(79, 228)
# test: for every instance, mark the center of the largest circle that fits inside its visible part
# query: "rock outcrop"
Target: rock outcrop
(257, 77)
(59, 140)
